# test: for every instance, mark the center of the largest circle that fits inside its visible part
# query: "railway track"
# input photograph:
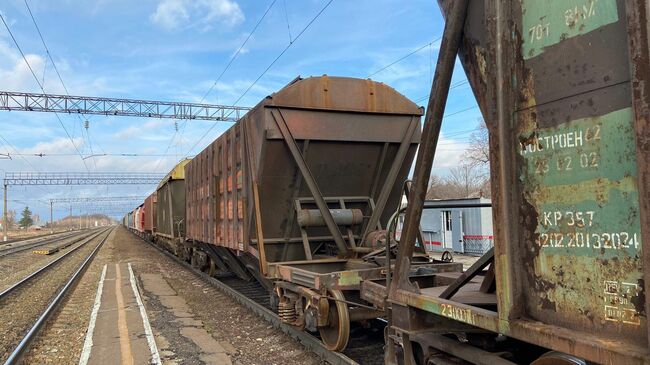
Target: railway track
(16, 247)
(17, 265)
(26, 306)
(366, 346)
(23, 239)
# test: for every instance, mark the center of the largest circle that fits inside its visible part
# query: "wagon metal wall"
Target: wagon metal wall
(216, 194)
(571, 140)
(138, 219)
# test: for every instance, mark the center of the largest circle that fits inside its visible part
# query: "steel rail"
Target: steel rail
(16, 355)
(27, 278)
(13, 250)
(13, 241)
(307, 340)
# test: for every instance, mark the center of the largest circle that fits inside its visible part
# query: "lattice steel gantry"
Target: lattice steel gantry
(73, 178)
(35, 102)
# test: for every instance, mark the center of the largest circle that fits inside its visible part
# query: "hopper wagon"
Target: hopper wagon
(170, 211)
(564, 90)
(298, 195)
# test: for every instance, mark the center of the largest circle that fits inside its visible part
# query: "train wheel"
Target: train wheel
(336, 334)
(558, 358)
(447, 257)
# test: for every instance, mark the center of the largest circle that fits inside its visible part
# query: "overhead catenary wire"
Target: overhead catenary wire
(430, 45)
(286, 17)
(453, 86)
(41, 87)
(236, 54)
(266, 69)
(10, 145)
(216, 82)
(89, 156)
(56, 70)
(404, 57)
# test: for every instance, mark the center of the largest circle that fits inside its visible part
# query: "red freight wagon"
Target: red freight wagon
(150, 213)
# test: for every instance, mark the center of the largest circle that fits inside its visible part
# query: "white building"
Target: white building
(458, 225)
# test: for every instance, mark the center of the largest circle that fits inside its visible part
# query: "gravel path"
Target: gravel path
(21, 308)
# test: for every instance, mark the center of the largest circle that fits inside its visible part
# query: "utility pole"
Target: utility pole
(70, 220)
(51, 218)
(4, 224)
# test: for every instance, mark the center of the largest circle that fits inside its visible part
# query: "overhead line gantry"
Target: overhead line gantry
(73, 178)
(37, 102)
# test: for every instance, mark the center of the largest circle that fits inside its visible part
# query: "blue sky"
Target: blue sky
(174, 50)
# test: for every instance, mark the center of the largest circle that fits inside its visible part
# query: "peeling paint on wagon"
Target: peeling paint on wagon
(349, 278)
(580, 177)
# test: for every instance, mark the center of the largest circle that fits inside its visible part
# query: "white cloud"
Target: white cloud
(171, 14)
(449, 152)
(177, 14)
(227, 11)
(16, 75)
(58, 145)
(142, 131)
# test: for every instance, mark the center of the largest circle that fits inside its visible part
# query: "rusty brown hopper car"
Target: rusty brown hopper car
(563, 86)
(342, 135)
(293, 192)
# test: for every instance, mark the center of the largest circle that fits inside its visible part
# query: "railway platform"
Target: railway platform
(119, 331)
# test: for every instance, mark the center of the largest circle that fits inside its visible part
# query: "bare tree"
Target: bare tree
(465, 181)
(478, 152)
(467, 178)
(441, 188)
(11, 219)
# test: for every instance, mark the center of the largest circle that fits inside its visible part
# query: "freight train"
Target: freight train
(298, 195)
(302, 194)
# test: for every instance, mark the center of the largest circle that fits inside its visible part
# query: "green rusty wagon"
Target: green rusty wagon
(564, 87)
